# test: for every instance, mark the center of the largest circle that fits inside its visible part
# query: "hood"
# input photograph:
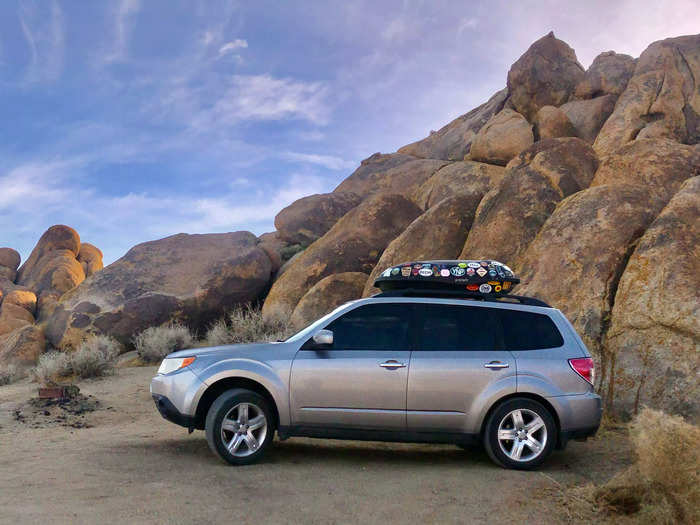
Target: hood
(226, 351)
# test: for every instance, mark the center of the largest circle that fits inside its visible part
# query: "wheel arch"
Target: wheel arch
(227, 383)
(527, 395)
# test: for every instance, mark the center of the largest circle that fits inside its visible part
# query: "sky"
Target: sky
(134, 120)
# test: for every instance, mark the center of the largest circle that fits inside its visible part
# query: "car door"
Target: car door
(458, 359)
(359, 382)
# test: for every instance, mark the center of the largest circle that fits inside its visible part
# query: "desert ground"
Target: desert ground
(123, 463)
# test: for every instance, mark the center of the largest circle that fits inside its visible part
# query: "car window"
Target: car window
(379, 326)
(529, 330)
(458, 328)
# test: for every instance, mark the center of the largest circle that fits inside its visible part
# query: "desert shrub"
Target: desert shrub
(290, 251)
(8, 374)
(50, 367)
(245, 324)
(663, 485)
(95, 357)
(154, 343)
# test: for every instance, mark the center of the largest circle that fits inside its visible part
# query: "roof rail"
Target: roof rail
(460, 294)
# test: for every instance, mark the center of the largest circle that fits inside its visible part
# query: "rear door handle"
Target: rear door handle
(496, 364)
(392, 364)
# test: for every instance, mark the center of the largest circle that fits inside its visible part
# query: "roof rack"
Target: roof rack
(460, 294)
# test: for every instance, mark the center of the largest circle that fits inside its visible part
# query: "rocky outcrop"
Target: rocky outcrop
(453, 141)
(504, 136)
(403, 179)
(511, 214)
(467, 177)
(588, 116)
(90, 258)
(190, 278)
(327, 294)
(608, 75)
(354, 244)
(274, 247)
(661, 99)
(308, 218)
(9, 262)
(577, 258)
(552, 123)
(654, 336)
(661, 165)
(372, 168)
(439, 233)
(546, 75)
(22, 346)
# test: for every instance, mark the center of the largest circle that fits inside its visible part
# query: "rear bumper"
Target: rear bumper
(172, 414)
(579, 416)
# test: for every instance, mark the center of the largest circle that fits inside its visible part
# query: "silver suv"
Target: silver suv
(510, 373)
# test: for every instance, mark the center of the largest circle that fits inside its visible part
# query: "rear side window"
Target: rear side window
(378, 326)
(457, 328)
(529, 331)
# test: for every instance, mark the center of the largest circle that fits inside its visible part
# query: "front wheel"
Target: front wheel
(520, 434)
(239, 426)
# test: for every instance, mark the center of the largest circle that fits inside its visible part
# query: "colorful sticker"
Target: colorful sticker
(418, 266)
(470, 271)
(506, 285)
(395, 271)
(406, 271)
(415, 271)
(493, 273)
(481, 272)
(501, 272)
(462, 265)
(425, 272)
(485, 264)
(497, 288)
(444, 273)
(473, 265)
(387, 272)
(473, 287)
(457, 271)
(485, 288)
(494, 283)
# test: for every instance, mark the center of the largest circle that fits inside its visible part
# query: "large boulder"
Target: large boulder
(13, 316)
(475, 178)
(403, 179)
(53, 267)
(90, 258)
(327, 294)
(661, 99)
(189, 278)
(504, 136)
(439, 233)
(511, 214)
(354, 244)
(453, 141)
(552, 123)
(274, 247)
(361, 181)
(22, 346)
(308, 218)
(576, 259)
(607, 75)
(588, 116)
(9, 262)
(546, 75)
(23, 298)
(654, 336)
(661, 165)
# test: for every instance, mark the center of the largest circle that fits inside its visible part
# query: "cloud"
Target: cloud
(125, 11)
(45, 38)
(327, 161)
(230, 47)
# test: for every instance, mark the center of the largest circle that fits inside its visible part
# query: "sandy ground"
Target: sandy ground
(124, 463)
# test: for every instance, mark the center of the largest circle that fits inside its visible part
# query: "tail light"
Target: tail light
(584, 367)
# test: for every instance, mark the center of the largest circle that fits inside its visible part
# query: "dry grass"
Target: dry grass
(661, 487)
(9, 374)
(245, 324)
(154, 343)
(95, 357)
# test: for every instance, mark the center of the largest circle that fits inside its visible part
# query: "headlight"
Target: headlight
(175, 363)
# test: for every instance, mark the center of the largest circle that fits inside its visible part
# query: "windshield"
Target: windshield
(306, 332)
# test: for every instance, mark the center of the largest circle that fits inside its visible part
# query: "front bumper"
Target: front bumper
(172, 414)
(176, 396)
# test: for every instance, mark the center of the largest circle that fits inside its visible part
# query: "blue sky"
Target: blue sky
(132, 120)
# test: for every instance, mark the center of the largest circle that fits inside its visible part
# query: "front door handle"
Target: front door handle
(392, 364)
(496, 364)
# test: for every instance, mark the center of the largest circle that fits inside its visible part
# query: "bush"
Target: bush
(8, 374)
(95, 357)
(245, 324)
(663, 485)
(154, 343)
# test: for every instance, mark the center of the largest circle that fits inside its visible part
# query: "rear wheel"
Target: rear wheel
(239, 426)
(520, 434)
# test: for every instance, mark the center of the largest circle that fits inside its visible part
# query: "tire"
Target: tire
(226, 426)
(521, 452)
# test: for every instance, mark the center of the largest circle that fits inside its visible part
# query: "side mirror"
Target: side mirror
(323, 338)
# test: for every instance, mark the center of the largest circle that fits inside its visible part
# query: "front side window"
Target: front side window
(377, 326)
(458, 328)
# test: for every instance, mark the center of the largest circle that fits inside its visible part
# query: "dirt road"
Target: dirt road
(130, 465)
